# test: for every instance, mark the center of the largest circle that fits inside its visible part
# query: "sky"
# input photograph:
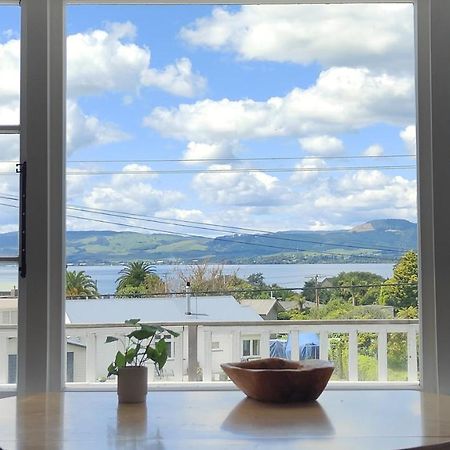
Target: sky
(245, 116)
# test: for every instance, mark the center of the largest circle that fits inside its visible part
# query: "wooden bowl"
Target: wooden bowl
(280, 380)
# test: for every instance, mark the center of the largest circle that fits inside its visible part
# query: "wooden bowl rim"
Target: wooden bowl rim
(303, 366)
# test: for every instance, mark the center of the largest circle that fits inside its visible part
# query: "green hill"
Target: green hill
(374, 241)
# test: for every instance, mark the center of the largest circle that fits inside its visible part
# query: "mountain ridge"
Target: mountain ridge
(380, 240)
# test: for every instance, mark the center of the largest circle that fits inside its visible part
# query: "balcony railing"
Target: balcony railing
(200, 348)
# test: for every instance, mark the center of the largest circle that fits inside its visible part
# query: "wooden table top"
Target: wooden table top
(225, 420)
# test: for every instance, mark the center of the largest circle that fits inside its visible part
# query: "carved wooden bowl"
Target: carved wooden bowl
(280, 380)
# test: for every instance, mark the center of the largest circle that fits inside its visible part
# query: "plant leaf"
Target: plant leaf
(111, 339)
(130, 355)
(141, 334)
(112, 370)
(173, 333)
(120, 360)
(132, 321)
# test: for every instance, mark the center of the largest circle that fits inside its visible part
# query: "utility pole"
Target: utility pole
(316, 291)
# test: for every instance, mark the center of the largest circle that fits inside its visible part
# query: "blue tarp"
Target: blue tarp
(308, 344)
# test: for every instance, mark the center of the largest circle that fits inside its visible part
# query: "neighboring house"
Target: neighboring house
(267, 309)
(76, 352)
(85, 364)
(164, 310)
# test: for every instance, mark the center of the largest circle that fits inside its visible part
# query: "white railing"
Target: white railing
(202, 346)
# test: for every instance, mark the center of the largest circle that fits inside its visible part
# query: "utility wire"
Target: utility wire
(259, 290)
(130, 216)
(235, 170)
(271, 158)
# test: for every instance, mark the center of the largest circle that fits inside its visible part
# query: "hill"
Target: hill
(372, 242)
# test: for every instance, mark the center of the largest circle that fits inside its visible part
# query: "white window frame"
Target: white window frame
(41, 305)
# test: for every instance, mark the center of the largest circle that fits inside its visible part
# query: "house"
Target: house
(267, 309)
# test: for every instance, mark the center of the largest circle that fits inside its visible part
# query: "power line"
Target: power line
(271, 158)
(236, 170)
(329, 244)
(146, 219)
(257, 290)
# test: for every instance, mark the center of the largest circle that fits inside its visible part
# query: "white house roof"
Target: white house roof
(161, 309)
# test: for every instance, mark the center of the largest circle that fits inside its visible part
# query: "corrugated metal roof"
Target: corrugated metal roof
(161, 309)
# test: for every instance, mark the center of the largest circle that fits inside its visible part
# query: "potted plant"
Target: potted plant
(145, 342)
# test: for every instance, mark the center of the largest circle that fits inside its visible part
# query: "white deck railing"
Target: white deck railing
(195, 359)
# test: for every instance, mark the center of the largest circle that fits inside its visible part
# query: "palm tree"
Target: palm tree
(79, 284)
(133, 274)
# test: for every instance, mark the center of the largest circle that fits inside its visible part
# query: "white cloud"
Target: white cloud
(374, 150)
(131, 193)
(10, 82)
(376, 36)
(85, 130)
(367, 194)
(9, 147)
(307, 172)
(322, 145)
(109, 61)
(342, 99)
(197, 151)
(239, 188)
(408, 136)
(177, 78)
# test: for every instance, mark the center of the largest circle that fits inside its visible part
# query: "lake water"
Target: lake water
(285, 275)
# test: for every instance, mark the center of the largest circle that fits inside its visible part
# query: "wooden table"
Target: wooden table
(225, 420)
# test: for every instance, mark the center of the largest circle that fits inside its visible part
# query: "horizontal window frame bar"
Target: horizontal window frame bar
(9, 129)
(4, 259)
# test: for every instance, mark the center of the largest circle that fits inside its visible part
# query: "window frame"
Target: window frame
(41, 306)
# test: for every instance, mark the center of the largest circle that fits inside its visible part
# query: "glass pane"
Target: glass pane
(8, 323)
(9, 65)
(9, 195)
(265, 165)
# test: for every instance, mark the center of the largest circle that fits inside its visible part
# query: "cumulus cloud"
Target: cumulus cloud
(85, 130)
(131, 193)
(109, 61)
(374, 150)
(375, 36)
(368, 194)
(307, 170)
(239, 188)
(408, 136)
(10, 82)
(342, 99)
(197, 151)
(176, 78)
(322, 145)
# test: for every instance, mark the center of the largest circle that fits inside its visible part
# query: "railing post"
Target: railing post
(382, 356)
(91, 357)
(265, 344)
(353, 355)
(236, 345)
(192, 352)
(323, 349)
(295, 349)
(412, 355)
(3, 359)
(178, 350)
(207, 365)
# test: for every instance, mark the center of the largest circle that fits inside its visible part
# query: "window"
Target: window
(251, 348)
(433, 183)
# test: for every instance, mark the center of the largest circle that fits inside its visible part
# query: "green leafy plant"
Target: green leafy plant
(145, 342)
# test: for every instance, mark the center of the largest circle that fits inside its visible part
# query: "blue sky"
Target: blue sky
(306, 82)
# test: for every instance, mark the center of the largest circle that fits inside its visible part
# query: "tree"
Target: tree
(79, 284)
(256, 279)
(133, 274)
(400, 291)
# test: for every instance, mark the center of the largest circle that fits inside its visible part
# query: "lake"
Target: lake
(285, 275)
